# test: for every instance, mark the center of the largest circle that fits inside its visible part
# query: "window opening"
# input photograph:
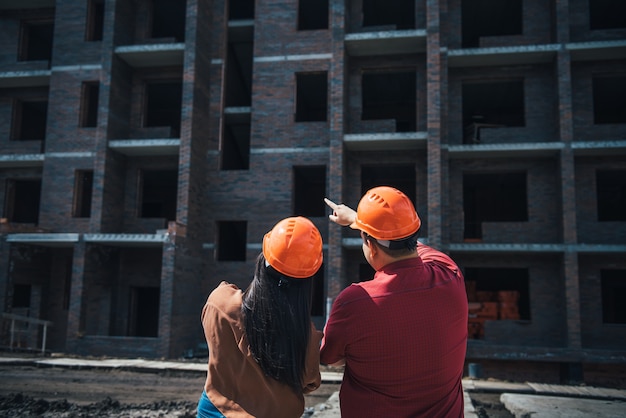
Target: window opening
(95, 20)
(390, 95)
(159, 194)
(366, 272)
(318, 304)
(29, 120)
(89, 104)
(231, 240)
(402, 177)
(309, 191)
(36, 41)
(236, 146)
(609, 105)
(168, 19)
(238, 77)
(491, 105)
(240, 9)
(144, 311)
(311, 97)
(164, 105)
(83, 190)
(493, 197)
(398, 14)
(611, 195)
(613, 296)
(483, 18)
(607, 14)
(312, 14)
(22, 201)
(496, 294)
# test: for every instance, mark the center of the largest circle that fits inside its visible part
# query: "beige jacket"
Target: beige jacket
(235, 383)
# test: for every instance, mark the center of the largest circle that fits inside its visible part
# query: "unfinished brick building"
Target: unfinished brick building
(147, 145)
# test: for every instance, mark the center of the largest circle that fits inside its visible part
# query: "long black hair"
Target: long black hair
(277, 319)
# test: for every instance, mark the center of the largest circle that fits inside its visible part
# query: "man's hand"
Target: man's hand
(342, 214)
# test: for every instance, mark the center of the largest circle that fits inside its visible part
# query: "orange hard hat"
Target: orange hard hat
(294, 247)
(386, 213)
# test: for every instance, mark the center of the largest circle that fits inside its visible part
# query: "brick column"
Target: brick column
(435, 73)
(568, 194)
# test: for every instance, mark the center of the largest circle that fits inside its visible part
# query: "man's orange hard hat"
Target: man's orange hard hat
(294, 247)
(386, 213)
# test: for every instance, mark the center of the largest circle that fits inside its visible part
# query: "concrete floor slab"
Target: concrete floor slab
(537, 406)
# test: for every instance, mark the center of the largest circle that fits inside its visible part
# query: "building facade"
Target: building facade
(146, 146)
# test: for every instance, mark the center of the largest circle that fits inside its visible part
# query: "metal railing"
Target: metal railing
(28, 320)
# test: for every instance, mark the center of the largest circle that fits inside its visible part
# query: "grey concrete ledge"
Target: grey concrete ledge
(129, 239)
(22, 160)
(168, 146)
(43, 238)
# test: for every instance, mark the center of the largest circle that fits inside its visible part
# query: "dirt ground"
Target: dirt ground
(28, 391)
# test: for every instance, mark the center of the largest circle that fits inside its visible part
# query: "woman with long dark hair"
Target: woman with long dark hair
(263, 346)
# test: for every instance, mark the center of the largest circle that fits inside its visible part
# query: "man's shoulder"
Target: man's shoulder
(355, 292)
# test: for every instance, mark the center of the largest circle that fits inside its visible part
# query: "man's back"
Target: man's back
(403, 336)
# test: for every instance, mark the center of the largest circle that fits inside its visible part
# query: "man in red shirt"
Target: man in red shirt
(402, 336)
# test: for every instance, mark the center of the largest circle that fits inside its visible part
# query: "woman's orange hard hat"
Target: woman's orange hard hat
(294, 247)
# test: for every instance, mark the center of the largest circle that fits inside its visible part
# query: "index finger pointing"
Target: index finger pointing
(330, 203)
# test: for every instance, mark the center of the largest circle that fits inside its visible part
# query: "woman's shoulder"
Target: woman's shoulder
(225, 294)
(225, 287)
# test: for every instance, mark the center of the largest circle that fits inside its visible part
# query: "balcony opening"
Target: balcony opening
(29, 120)
(231, 240)
(311, 97)
(238, 77)
(496, 294)
(83, 190)
(402, 177)
(236, 146)
(613, 296)
(168, 19)
(159, 194)
(67, 281)
(95, 21)
(607, 14)
(491, 105)
(21, 296)
(90, 92)
(312, 14)
(240, 9)
(144, 311)
(163, 105)
(611, 195)
(36, 41)
(493, 197)
(483, 18)
(395, 15)
(609, 105)
(390, 95)
(22, 201)
(309, 191)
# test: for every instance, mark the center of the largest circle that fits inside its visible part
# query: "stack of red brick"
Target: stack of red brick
(489, 306)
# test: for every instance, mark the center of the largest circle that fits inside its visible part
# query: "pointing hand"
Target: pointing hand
(342, 214)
